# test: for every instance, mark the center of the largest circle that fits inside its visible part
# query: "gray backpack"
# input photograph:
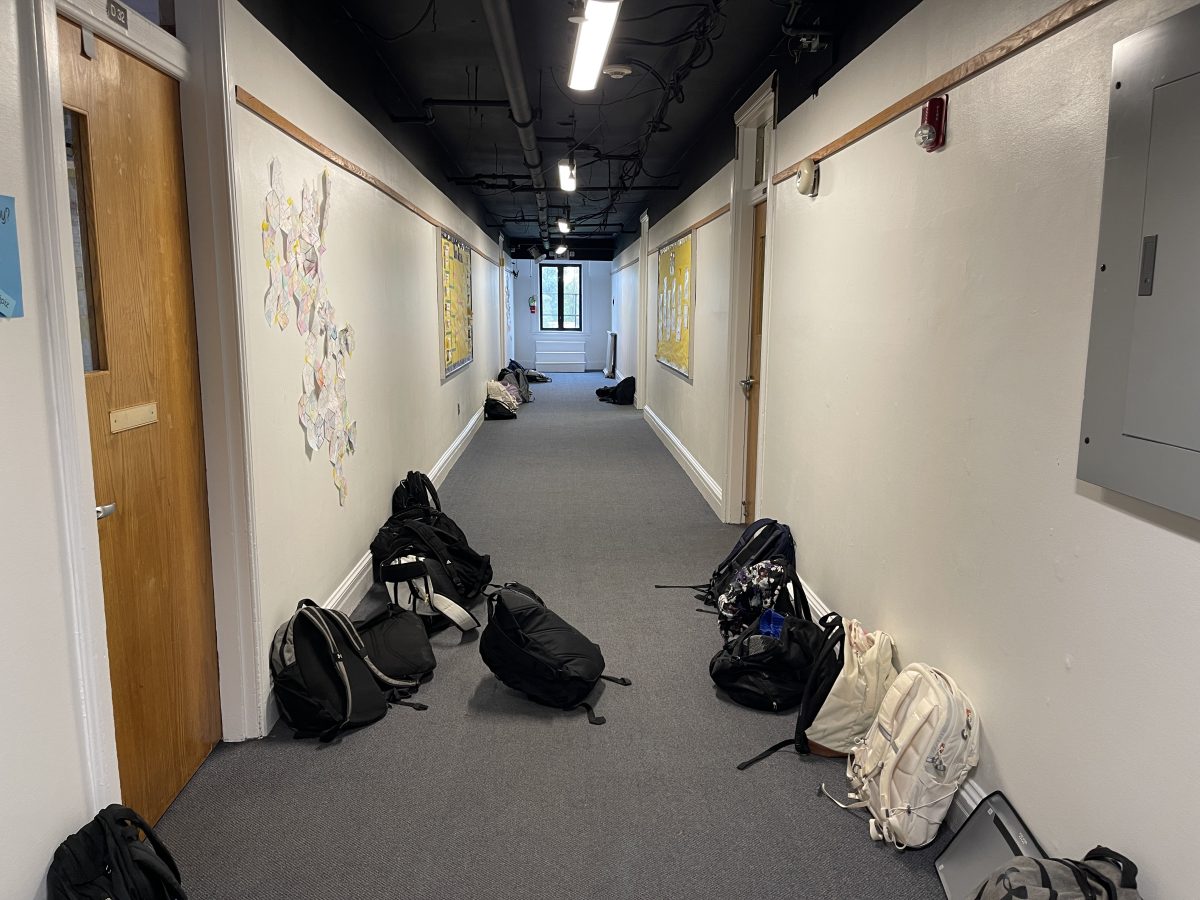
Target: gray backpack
(1102, 875)
(516, 377)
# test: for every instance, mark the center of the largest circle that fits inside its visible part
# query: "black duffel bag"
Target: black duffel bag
(534, 650)
(396, 638)
(773, 673)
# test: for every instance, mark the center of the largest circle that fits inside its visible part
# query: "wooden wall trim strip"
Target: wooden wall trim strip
(1054, 21)
(695, 226)
(632, 262)
(296, 133)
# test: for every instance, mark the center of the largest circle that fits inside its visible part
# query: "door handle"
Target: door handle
(103, 512)
(747, 383)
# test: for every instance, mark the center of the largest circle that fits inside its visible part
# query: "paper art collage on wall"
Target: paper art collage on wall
(676, 294)
(454, 300)
(293, 244)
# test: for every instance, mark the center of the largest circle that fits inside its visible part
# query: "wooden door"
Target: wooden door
(125, 159)
(751, 384)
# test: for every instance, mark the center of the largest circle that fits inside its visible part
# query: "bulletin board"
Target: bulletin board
(676, 297)
(454, 302)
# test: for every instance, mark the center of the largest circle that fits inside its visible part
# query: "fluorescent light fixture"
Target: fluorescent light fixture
(591, 43)
(566, 174)
(564, 226)
(560, 249)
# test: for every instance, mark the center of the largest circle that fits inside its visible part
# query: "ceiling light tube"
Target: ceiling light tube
(564, 226)
(591, 43)
(566, 174)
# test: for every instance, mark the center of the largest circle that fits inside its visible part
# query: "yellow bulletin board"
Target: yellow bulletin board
(454, 302)
(676, 300)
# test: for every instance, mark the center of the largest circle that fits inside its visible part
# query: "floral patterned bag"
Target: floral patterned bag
(757, 587)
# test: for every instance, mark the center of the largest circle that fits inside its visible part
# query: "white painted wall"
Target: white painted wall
(42, 769)
(625, 282)
(695, 410)
(597, 302)
(380, 268)
(927, 334)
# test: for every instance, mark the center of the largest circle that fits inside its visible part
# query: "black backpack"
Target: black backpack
(494, 409)
(107, 859)
(450, 577)
(325, 683)
(416, 491)
(396, 638)
(761, 540)
(772, 673)
(619, 394)
(533, 650)
(826, 665)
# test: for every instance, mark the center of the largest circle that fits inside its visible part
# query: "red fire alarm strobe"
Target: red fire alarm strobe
(932, 133)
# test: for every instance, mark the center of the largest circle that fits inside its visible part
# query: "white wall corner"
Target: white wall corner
(446, 462)
(705, 483)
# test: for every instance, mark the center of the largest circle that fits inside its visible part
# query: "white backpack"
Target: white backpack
(918, 751)
(867, 673)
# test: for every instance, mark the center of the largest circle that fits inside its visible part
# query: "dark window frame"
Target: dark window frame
(542, 297)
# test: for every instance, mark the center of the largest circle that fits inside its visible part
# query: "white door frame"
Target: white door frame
(641, 385)
(744, 195)
(228, 487)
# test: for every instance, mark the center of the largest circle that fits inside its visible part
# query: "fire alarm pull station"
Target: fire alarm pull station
(932, 133)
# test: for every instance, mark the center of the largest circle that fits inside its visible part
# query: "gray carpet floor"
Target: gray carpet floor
(489, 795)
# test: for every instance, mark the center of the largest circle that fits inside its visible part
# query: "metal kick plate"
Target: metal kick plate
(132, 417)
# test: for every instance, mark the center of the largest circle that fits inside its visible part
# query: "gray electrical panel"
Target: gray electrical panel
(1141, 408)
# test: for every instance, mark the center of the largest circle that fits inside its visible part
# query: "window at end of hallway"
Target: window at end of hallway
(561, 306)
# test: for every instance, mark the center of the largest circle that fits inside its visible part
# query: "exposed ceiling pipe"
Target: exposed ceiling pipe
(504, 40)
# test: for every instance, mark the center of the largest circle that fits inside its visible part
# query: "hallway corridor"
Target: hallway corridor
(488, 795)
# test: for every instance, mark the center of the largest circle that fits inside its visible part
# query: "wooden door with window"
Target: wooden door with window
(138, 326)
(751, 384)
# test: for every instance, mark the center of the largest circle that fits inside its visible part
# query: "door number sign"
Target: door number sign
(118, 13)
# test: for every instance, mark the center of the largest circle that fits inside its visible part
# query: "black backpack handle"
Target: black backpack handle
(437, 501)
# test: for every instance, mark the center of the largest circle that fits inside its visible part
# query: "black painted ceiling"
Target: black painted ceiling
(385, 57)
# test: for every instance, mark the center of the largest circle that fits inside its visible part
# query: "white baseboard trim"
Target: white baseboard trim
(442, 467)
(705, 483)
(347, 594)
(970, 794)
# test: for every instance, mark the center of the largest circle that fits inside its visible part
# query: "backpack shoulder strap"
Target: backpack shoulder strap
(835, 640)
(347, 628)
(431, 491)
(800, 599)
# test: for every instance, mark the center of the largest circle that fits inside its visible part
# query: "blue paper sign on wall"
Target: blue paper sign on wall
(10, 261)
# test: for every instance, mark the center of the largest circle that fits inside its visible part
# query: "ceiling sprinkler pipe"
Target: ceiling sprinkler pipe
(504, 40)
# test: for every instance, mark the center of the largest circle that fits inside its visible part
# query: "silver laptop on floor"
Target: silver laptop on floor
(992, 835)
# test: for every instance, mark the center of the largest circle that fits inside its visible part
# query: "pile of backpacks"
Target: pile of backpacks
(332, 674)
(910, 738)
(510, 389)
